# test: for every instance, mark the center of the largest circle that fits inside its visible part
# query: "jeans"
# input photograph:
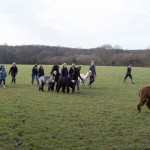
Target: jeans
(92, 79)
(35, 77)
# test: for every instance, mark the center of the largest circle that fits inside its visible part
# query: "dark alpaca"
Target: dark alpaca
(144, 95)
(66, 82)
(69, 82)
(55, 68)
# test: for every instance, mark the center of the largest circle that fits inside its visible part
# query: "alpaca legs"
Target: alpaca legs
(142, 102)
(148, 103)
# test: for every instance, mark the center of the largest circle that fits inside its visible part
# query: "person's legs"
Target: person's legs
(91, 80)
(78, 85)
(125, 77)
(33, 76)
(131, 78)
(14, 79)
(4, 83)
(37, 79)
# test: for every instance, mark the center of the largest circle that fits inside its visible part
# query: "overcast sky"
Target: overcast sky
(76, 23)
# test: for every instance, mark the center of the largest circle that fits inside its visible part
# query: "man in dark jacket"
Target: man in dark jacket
(13, 71)
(71, 70)
(93, 74)
(35, 73)
(128, 74)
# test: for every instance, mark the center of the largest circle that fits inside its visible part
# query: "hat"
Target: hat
(14, 63)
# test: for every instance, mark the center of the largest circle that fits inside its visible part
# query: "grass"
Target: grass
(101, 118)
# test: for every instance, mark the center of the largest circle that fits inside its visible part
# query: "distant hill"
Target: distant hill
(104, 55)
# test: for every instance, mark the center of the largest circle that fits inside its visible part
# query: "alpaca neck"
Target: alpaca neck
(86, 76)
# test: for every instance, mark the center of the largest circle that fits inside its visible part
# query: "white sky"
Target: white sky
(76, 23)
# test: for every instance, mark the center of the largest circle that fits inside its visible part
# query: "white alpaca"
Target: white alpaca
(84, 77)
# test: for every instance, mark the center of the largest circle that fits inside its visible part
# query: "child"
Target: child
(3, 75)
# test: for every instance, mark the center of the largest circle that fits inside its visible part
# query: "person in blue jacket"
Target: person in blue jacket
(93, 74)
(3, 75)
(64, 70)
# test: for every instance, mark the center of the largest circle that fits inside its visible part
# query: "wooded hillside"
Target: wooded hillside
(104, 55)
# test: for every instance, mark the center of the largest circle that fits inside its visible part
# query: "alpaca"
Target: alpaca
(144, 95)
(47, 80)
(84, 77)
(69, 82)
(55, 68)
(66, 82)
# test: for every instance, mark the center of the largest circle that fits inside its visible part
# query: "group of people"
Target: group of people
(65, 72)
(69, 73)
(3, 74)
(38, 72)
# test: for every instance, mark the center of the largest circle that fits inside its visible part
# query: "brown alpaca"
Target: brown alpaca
(144, 95)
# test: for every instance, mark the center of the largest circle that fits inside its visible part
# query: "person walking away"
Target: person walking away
(93, 74)
(13, 71)
(3, 75)
(128, 74)
(64, 70)
(35, 73)
(41, 71)
(71, 70)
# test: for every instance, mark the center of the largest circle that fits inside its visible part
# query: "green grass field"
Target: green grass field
(101, 118)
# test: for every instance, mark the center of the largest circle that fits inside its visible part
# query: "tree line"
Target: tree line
(105, 55)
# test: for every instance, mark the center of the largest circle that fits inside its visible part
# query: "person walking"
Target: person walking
(64, 70)
(3, 75)
(71, 70)
(13, 71)
(93, 74)
(128, 74)
(35, 74)
(41, 71)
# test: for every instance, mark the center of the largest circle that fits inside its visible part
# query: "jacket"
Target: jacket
(3, 74)
(92, 68)
(64, 72)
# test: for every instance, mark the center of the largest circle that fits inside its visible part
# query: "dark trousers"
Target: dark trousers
(13, 78)
(92, 79)
(2, 80)
(128, 75)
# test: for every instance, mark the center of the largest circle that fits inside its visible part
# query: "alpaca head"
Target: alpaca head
(54, 73)
(90, 72)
